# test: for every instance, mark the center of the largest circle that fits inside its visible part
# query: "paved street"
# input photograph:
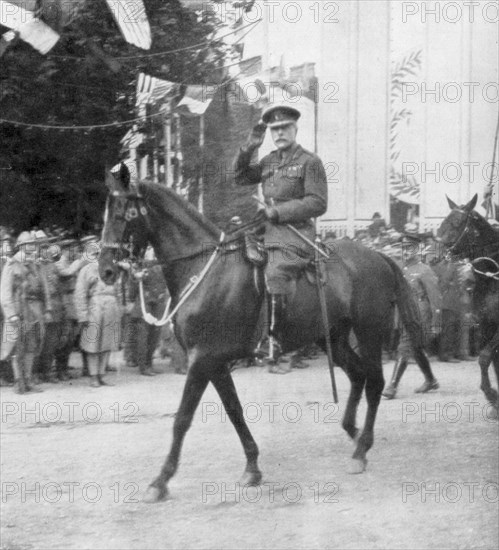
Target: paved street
(76, 461)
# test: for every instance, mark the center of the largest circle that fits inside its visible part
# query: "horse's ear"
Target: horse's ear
(121, 176)
(471, 205)
(124, 175)
(452, 204)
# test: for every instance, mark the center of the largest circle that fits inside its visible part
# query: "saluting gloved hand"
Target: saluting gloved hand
(256, 137)
(271, 214)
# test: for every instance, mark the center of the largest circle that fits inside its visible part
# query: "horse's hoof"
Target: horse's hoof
(153, 495)
(492, 412)
(251, 479)
(357, 466)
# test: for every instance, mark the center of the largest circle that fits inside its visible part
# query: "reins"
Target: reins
(193, 283)
(488, 274)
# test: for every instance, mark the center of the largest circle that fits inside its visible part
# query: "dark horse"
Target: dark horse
(467, 234)
(218, 321)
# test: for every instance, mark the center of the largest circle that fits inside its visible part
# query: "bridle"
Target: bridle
(131, 206)
(464, 232)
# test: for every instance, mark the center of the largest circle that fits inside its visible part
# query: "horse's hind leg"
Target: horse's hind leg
(195, 384)
(370, 351)
(222, 380)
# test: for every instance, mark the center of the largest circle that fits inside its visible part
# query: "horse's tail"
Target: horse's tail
(407, 306)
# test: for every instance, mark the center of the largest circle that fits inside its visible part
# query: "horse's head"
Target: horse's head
(454, 232)
(125, 230)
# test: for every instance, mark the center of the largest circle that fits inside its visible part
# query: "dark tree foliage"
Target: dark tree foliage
(50, 176)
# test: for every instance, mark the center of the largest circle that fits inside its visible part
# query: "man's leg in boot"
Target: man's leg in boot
(152, 343)
(423, 363)
(103, 361)
(277, 315)
(93, 368)
(398, 370)
(29, 359)
(19, 386)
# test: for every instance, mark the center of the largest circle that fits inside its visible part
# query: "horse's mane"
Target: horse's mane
(482, 223)
(161, 197)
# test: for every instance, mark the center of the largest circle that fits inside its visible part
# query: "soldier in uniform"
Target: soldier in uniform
(5, 253)
(424, 286)
(52, 334)
(146, 336)
(68, 265)
(25, 300)
(295, 191)
(448, 277)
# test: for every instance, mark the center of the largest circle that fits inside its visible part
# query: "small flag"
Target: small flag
(196, 100)
(151, 89)
(130, 15)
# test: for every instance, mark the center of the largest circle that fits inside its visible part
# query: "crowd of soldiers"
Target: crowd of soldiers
(53, 302)
(442, 288)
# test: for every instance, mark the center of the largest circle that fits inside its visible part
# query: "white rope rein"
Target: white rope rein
(487, 273)
(193, 283)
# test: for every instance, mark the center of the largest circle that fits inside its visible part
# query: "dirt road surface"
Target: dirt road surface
(75, 462)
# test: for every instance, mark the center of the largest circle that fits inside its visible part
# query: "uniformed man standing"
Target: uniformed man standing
(295, 191)
(424, 286)
(25, 300)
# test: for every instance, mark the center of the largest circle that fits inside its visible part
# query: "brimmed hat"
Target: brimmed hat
(411, 238)
(41, 237)
(275, 116)
(26, 237)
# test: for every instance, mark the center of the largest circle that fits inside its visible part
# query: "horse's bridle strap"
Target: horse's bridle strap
(193, 283)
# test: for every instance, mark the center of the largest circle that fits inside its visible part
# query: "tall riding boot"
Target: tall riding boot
(398, 370)
(18, 376)
(277, 316)
(30, 384)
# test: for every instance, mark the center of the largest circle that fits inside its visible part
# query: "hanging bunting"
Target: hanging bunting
(130, 15)
(30, 29)
(151, 90)
(195, 100)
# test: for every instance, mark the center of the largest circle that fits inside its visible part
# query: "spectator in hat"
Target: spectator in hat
(377, 226)
(295, 191)
(25, 303)
(98, 308)
(68, 264)
(52, 335)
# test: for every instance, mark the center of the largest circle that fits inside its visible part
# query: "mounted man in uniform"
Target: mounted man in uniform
(295, 190)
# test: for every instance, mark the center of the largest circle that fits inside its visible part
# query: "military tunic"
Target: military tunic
(295, 185)
(24, 293)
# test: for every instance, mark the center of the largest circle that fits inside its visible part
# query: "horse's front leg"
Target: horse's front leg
(484, 360)
(222, 380)
(195, 385)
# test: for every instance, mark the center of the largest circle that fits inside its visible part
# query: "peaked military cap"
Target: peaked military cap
(277, 115)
